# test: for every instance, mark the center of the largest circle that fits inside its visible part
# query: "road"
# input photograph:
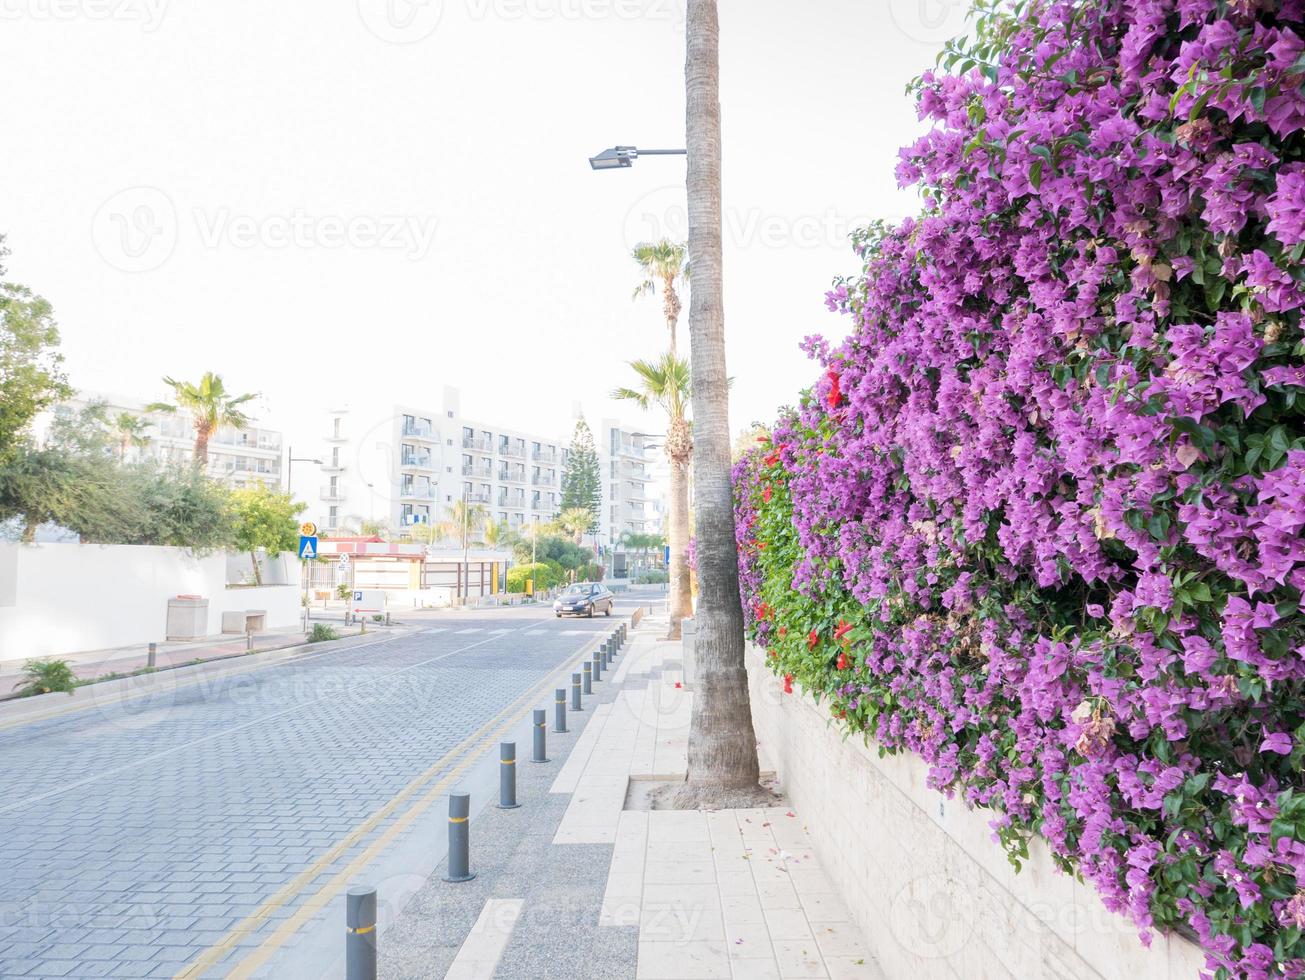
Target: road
(194, 828)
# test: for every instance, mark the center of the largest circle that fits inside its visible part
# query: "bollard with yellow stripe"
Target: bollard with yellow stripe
(541, 736)
(559, 709)
(460, 837)
(360, 934)
(507, 776)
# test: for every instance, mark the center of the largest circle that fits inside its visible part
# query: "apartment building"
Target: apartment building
(408, 465)
(236, 457)
(626, 457)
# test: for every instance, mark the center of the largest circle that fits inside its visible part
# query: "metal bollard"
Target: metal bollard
(588, 677)
(507, 776)
(559, 710)
(249, 639)
(360, 934)
(154, 650)
(605, 655)
(459, 838)
(598, 666)
(541, 746)
(575, 693)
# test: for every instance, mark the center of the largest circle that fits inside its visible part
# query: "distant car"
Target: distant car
(584, 599)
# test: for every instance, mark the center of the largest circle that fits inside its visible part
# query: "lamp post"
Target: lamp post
(291, 459)
(619, 157)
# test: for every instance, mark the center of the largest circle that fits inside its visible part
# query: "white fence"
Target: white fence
(68, 598)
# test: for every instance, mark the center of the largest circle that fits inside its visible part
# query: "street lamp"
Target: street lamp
(291, 459)
(618, 157)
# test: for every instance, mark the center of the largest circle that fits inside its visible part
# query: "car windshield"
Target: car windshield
(577, 590)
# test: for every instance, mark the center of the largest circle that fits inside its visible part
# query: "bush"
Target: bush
(321, 633)
(591, 572)
(343, 591)
(544, 575)
(46, 677)
(652, 577)
(1040, 518)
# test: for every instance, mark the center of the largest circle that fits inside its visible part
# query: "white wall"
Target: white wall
(67, 598)
(921, 875)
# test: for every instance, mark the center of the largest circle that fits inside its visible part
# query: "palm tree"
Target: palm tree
(662, 262)
(574, 522)
(210, 406)
(130, 431)
(665, 384)
(723, 769)
(465, 524)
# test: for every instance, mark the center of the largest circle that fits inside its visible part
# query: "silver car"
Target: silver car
(584, 599)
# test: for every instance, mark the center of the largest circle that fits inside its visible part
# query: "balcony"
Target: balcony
(334, 467)
(477, 498)
(332, 494)
(512, 451)
(544, 480)
(337, 437)
(413, 520)
(418, 431)
(479, 471)
(418, 462)
(479, 445)
(518, 503)
(511, 476)
(418, 493)
(544, 456)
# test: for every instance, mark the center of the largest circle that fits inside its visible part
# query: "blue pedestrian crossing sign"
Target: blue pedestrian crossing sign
(307, 547)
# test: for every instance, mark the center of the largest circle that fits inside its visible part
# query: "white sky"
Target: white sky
(184, 142)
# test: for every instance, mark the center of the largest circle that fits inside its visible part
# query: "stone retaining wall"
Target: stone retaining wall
(921, 875)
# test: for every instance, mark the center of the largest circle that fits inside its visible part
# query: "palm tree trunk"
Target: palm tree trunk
(258, 572)
(201, 447)
(678, 572)
(722, 744)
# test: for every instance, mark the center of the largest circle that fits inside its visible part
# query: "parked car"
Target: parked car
(584, 599)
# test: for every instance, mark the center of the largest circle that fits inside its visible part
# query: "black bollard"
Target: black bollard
(507, 776)
(541, 748)
(559, 710)
(360, 934)
(459, 838)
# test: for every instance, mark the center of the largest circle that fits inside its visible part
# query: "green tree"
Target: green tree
(665, 384)
(130, 432)
(210, 406)
(31, 374)
(581, 478)
(574, 522)
(267, 520)
(723, 768)
(663, 263)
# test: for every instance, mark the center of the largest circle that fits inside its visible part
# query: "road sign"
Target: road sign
(307, 547)
(343, 560)
(308, 529)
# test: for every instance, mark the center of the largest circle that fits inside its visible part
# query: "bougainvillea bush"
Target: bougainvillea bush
(1041, 520)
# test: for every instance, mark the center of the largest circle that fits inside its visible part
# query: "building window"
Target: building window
(333, 517)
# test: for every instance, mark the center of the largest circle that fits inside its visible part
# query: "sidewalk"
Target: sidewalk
(574, 884)
(125, 660)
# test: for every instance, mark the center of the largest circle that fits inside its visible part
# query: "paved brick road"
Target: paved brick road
(135, 837)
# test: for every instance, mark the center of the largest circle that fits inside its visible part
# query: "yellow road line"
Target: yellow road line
(214, 954)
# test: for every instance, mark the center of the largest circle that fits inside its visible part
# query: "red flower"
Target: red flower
(763, 439)
(835, 392)
(773, 458)
(812, 639)
(765, 494)
(678, 685)
(775, 654)
(762, 610)
(783, 631)
(844, 627)
(788, 683)
(842, 660)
